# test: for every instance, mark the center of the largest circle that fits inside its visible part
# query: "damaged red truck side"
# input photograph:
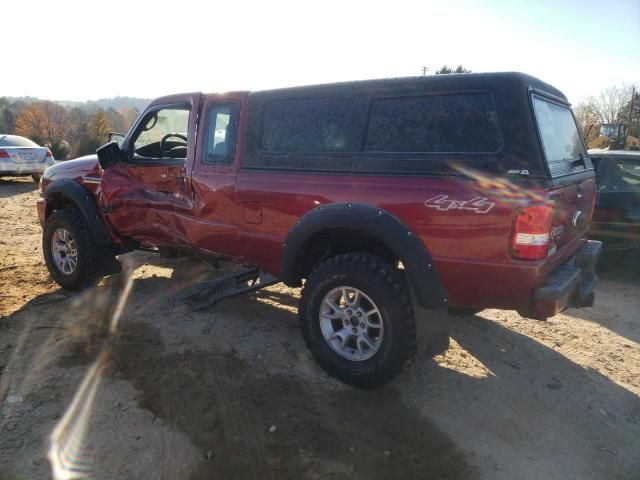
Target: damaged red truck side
(388, 199)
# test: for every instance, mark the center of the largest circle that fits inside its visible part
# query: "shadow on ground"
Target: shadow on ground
(549, 414)
(620, 265)
(616, 296)
(226, 407)
(10, 186)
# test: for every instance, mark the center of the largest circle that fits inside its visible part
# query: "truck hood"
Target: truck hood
(79, 167)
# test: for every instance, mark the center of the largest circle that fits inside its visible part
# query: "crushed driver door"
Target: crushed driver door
(148, 196)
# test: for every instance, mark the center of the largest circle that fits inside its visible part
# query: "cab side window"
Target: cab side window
(221, 133)
(163, 134)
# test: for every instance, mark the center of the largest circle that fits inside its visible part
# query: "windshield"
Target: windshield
(563, 147)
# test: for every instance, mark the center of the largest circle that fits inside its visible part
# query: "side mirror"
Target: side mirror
(109, 155)
(116, 137)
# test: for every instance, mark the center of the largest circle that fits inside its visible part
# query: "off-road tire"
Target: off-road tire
(387, 287)
(87, 272)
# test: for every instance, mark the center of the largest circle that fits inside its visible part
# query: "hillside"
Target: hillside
(116, 103)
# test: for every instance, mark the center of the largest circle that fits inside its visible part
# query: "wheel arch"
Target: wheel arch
(66, 192)
(338, 228)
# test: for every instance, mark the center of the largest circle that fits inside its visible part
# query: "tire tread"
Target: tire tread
(384, 272)
(89, 272)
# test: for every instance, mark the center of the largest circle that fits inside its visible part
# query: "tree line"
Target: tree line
(69, 131)
(613, 105)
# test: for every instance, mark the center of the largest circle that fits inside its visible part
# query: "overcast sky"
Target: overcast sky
(81, 50)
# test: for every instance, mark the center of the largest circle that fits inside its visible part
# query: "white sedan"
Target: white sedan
(21, 156)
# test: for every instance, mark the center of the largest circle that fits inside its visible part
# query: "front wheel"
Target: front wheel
(357, 320)
(68, 250)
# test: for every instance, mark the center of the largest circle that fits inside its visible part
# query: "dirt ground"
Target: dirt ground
(233, 393)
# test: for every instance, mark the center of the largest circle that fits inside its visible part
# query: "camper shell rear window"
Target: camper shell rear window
(562, 146)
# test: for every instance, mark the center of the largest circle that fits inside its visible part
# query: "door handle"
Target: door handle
(180, 179)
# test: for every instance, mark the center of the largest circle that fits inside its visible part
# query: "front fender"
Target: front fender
(66, 188)
(421, 273)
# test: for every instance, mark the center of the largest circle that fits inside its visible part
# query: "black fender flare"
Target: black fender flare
(85, 201)
(421, 273)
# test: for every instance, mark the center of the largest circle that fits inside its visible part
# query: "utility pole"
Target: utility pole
(626, 135)
(424, 71)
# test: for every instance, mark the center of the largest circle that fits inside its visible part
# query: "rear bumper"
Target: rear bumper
(19, 173)
(11, 168)
(572, 284)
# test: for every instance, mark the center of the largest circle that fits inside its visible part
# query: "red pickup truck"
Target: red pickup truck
(386, 199)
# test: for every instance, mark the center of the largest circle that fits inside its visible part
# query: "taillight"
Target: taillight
(49, 154)
(3, 154)
(532, 232)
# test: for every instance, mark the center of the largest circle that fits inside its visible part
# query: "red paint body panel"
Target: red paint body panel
(245, 214)
(470, 250)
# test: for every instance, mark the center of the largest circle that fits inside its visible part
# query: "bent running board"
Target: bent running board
(206, 294)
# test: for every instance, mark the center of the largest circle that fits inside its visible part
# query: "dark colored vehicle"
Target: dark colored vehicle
(617, 213)
(388, 198)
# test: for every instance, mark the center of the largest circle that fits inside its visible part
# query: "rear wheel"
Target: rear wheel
(68, 250)
(357, 320)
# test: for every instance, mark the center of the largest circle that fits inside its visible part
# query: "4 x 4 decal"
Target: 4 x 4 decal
(444, 203)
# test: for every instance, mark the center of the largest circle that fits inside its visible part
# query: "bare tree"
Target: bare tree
(610, 103)
(56, 123)
(587, 118)
(631, 113)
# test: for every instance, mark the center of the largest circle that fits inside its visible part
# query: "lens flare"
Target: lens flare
(500, 189)
(68, 453)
